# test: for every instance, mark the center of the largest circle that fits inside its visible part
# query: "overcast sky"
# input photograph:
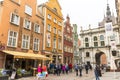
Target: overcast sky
(85, 12)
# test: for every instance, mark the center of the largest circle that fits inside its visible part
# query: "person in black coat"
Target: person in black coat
(86, 68)
(80, 69)
(96, 71)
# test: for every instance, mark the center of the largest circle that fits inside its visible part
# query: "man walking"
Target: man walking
(96, 73)
(76, 69)
(80, 69)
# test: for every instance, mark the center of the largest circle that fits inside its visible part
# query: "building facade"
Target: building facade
(53, 28)
(21, 33)
(75, 45)
(68, 42)
(97, 47)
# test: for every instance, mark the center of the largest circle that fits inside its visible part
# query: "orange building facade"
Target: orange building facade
(21, 31)
(53, 30)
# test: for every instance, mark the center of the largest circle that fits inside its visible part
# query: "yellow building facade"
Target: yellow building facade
(53, 30)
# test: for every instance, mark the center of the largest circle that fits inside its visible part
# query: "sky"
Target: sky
(85, 12)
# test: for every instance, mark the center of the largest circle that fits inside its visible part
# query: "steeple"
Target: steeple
(68, 18)
(108, 12)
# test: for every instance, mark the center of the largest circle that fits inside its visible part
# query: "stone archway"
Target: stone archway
(100, 58)
(103, 59)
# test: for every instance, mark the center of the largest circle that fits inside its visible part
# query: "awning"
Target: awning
(26, 55)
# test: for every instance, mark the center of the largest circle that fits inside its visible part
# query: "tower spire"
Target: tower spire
(108, 12)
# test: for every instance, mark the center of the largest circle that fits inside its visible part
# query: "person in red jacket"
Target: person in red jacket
(44, 70)
(70, 67)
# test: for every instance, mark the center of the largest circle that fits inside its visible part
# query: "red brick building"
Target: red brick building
(68, 42)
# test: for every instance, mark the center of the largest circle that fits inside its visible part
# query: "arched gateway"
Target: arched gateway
(100, 58)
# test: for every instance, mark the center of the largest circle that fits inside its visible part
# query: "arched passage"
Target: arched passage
(100, 58)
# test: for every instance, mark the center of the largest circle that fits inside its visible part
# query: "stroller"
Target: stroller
(42, 75)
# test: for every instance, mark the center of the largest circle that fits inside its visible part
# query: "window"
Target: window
(15, 19)
(86, 42)
(87, 54)
(55, 9)
(54, 43)
(55, 21)
(28, 10)
(36, 44)
(37, 28)
(59, 23)
(59, 32)
(12, 39)
(48, 44)
(49, 16)
(25, 41)
(59, 44)
(102, 40)
(49, 27)
(95, 41)
(48, 40)
(27, 24)
(68, 29)
(54, 30)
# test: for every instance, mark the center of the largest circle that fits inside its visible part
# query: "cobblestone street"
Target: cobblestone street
(70, 76)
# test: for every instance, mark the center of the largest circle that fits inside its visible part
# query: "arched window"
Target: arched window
(102, 43)
(95, 41)
(86, 42)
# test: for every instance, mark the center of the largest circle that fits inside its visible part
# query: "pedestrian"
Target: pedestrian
(76, 69)
(58, 69)
(66, 68)
(70, 67)
(55, 69)
(80, 69)
(44, 70)
(99, 71)
(39, 69)
(63, 68)
(86, 68)
(96, 73)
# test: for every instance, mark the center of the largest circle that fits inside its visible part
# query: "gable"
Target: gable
(54, 4)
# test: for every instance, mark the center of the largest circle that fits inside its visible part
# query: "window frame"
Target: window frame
(87, 54)
(12, 38)
(28, 41)
(54, 43)
(95, 38)
(86, 42)
(35, 28)
(25, 24)
(27, 7)
(12, 19)
(102, 42)
(49, 27)
(36, 43)
(49, 16)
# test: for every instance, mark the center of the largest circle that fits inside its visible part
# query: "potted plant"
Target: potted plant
(19, 74)
(3, 75)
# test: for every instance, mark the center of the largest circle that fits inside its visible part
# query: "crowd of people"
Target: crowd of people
(58, 69)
